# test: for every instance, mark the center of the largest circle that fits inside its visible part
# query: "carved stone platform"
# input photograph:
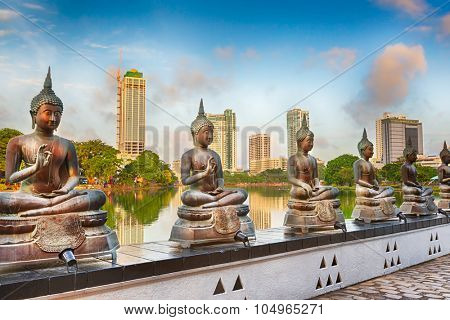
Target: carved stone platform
(444, 202)
(201, 226)
(43, 238)
(369, 209)
(418, 205)
(307, 215)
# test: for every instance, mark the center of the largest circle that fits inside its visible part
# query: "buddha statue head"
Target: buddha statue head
(305, 137)
(51, 116)
(365, 147)
(410, 153)
(445, 154)
(202, 128)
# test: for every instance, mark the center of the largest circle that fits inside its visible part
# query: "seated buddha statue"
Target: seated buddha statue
(46, 165)
(373, 202)
(311, 204)
(219, 211)
(417, 200)
(444, 179)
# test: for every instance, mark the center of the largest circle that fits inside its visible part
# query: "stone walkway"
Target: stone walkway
(429, 280)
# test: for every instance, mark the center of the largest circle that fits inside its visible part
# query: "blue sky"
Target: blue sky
(258, 58)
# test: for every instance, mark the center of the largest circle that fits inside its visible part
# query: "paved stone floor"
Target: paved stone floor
(429, 280)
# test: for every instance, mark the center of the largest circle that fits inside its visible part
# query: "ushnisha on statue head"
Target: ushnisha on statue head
(410, 153)
(304, 137)
(445, 154)
(365, 147)
(202, 129)
(54, 105)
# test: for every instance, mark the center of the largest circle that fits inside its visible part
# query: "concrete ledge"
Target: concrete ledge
(277, 266)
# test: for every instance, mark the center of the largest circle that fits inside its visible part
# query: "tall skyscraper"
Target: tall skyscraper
(393, 132)
(294, 122)
(259, 155)
(224, 140)
(131, 114)
(259, 147)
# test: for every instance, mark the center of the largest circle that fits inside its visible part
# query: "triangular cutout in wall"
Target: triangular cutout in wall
(319, 284)
(338, 278)
(323, 265)
(238, 284)
(329, 281)
(334, 263)
(219, 288)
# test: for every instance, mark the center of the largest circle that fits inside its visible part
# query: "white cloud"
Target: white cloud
(224, 53)
(338, 59)
(98, 46)
(250, 53)
(7, 15)
(445, 25)
(422, 28)
(389, 81)
(33, 6)
(5, 32)
(411, 7)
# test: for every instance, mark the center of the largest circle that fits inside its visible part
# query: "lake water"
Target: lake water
(144, 216)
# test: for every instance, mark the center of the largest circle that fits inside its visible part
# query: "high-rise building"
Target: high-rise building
(224, 139)
(131, 114)
(392, 134)
(259, 155)
(294, 122)
(259, 147)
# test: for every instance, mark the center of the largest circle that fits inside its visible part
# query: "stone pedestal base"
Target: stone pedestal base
(309, 215)
(201, 226)
(43, 238)
(444, 202)
(418, 206)
(369, 209)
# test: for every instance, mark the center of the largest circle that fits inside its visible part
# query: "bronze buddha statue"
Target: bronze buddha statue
(444, 179)
(311, 205)
(210, 213)
(373, 203)
(46, 165)
(50, 171)
(417, 200)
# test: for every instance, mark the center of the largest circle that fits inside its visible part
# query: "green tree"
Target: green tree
(150, 168)
(321, 171)
(97, 159)
(424, 174)
(390, 172)
(5, 135)
(333, 167)
(344, 176)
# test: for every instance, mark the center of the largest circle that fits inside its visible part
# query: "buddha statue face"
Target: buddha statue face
(47, 117)
(411, 157)
(204, 137)
(367, 152)
(306, 144)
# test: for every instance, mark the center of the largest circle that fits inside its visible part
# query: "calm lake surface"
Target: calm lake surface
(144, 216)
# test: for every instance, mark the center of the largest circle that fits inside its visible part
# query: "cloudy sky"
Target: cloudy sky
(257, 58)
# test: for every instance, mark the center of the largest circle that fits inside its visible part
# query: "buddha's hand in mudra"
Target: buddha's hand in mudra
(42, 157)
(211, 166)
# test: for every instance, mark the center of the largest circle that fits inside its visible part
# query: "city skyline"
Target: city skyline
(258, 63)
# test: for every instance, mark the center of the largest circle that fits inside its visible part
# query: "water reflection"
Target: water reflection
(145, 216)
